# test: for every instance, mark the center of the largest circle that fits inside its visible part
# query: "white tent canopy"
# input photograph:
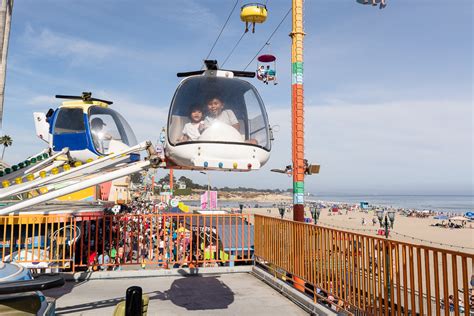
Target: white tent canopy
(459, 218)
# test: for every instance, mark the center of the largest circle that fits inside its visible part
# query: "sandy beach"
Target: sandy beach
(409, 229)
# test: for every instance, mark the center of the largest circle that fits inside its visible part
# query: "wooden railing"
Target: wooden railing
(365, 274)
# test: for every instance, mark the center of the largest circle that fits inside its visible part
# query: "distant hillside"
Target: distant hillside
(195, 186)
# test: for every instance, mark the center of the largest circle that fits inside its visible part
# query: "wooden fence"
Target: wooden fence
(365, 274)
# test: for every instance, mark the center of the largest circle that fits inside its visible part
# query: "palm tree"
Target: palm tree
(6, 141)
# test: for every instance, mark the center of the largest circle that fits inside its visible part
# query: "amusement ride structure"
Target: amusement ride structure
(89, 143)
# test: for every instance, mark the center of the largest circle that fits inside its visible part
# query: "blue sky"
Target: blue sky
(388, 93)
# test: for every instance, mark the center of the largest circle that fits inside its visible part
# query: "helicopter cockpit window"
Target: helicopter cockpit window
(69, 121)
(217, 109)
(107, 125)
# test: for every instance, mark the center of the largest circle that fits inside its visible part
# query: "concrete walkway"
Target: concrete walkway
(224, 294)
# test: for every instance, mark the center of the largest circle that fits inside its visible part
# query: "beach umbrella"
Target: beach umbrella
(441, 217)
(459, 218)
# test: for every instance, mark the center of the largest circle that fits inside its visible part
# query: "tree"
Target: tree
(136, 178)
(166, 180)
(6, 141)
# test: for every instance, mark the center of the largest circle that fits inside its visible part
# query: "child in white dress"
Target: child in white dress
(192, 130)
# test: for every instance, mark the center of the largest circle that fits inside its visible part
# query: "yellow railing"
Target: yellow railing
(368, 274)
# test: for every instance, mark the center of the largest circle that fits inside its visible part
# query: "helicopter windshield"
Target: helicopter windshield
(217, 109)
(69, 121)
(107, 125)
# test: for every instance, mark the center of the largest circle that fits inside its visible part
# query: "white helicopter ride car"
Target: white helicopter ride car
(217, 121)
(230, 134)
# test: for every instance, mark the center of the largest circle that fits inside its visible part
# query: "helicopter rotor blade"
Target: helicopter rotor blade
(75, 97)
(72, 97)
(189, 73)
(246, 74)
(101, 100)
(237, 73)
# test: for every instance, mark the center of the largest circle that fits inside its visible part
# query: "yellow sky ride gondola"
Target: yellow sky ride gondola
(253, 13)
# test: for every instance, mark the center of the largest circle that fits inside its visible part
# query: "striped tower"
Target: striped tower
(297, 106)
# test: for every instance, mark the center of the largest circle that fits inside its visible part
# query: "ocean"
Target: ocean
(445, 203)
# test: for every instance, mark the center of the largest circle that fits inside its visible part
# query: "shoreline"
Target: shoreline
(268, 199)
(411, 225)
(406, 228)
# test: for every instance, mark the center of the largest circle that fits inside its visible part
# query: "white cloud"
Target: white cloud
(42, 100)
(78, 51)
(187, 13)
(396, 145)
(399, 147)
(45, 41)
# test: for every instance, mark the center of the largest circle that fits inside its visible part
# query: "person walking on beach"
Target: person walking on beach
(363, 221)
(374, 221)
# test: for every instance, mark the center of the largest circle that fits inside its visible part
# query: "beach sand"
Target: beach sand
(408, 229)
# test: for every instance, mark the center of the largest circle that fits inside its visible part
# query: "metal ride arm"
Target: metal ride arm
(39, 166)
(82, 170)
(96, 179)
(101, 178)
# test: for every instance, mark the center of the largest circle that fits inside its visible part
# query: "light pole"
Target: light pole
(208, 188)
(386, 221)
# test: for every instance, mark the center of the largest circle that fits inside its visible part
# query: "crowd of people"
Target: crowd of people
(138, 236)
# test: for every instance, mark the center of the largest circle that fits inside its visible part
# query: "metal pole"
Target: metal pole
(208, 190)
(5, 16)
(297, 105)
(387, 260)
(153, 186)
(171, 180)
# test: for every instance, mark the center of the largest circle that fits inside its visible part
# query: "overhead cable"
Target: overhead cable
(222, 29)
(232, 51)
(269, 38)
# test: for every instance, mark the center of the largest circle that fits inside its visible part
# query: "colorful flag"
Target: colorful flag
(209, 198)
(204, 201)
(213, 200)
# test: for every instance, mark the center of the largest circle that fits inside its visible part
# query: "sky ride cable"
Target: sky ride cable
(222, 29)
(233, 49)
(269, 38)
